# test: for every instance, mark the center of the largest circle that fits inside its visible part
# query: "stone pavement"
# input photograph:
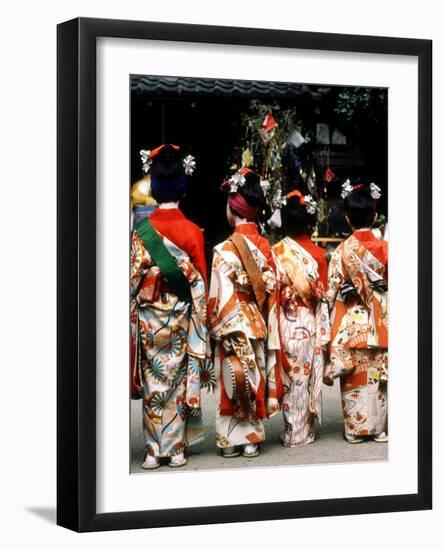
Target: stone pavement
(329, 447)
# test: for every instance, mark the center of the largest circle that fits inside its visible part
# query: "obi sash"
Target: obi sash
(164, 260)
(250, 266)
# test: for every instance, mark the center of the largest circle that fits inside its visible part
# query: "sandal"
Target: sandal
(381, 438)
(177, 461)
(151, 463)
(250, 450)
(230, 452)
(350, 438)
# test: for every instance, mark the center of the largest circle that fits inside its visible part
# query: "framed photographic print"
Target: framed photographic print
(230, 203)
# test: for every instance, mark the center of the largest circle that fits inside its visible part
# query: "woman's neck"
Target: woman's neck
(168, 205)
(241, 221)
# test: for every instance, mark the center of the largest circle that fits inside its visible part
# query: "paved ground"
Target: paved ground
(329, 447)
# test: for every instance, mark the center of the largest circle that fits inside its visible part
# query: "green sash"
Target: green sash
(164, 260)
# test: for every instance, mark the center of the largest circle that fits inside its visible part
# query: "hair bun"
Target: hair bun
(168, 153)
(167, 164)
(252, 191)
(369, 190)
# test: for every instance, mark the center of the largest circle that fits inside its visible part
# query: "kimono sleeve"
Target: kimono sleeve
(274, 384)
(335, 277)
(322, 270)
(198, 257)
(224, 312)
(140, 262)
(273, 339)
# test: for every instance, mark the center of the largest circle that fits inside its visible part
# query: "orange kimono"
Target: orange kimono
(358, 297)
(238, 326)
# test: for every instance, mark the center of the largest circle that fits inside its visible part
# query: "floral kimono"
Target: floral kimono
(239, 327)
(357, 294)
(303, 321)
(170, 338)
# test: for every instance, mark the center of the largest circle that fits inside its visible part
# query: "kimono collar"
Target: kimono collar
(365, 235)
(247, 228)
(167, 214)
(303, 238)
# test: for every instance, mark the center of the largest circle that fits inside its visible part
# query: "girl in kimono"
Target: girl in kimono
(242, 286)
(357, 294)
(170, 330)
(303, 319)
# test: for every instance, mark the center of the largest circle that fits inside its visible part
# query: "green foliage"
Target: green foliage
(353, 103)
(267, 153)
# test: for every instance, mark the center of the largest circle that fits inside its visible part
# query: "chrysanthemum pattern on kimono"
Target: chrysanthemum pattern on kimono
(171, 340)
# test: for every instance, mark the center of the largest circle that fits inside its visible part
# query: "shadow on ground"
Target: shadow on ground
(46, 513)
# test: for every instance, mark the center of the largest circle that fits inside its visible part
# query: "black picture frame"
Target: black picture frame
(76, 273)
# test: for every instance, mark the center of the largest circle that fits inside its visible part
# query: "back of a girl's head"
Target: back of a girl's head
(166, 170)
(360, 207)
(168, 164)
(252, 191)
(296, 220)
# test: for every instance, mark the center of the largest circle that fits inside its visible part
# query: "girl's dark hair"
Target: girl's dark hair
(251, 191)
(167, 167)
(296, 220)
(360, 207)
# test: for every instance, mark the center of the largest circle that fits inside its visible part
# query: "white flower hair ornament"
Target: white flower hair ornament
(189, 165)
(238, 179)
(235, 181)
(279, 200)
(346, 188)
(375, 191)
(311, 205)
(265, 185)
(305, 200)
(147, 157)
